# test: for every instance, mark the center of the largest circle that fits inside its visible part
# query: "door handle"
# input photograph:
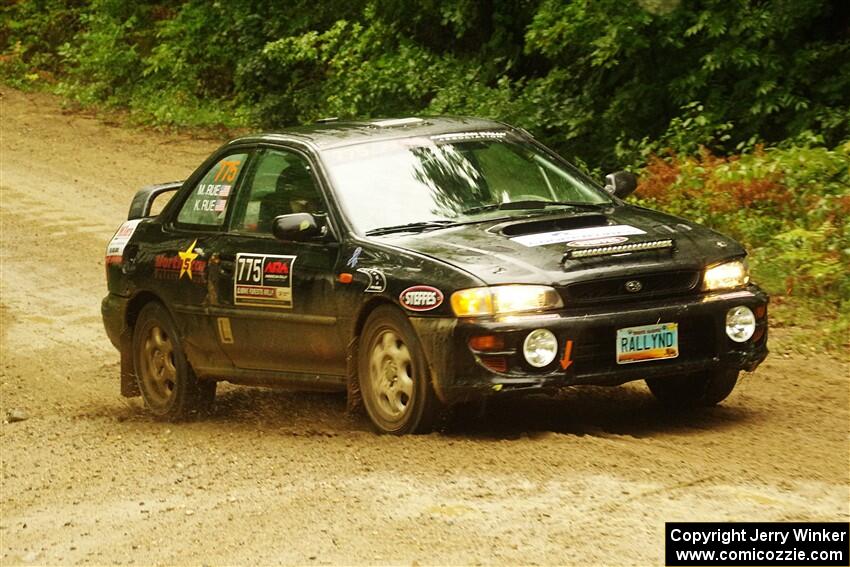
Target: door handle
(226, 268)
(226, 264)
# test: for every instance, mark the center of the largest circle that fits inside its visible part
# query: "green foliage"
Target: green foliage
(607, 81)
(790, 207)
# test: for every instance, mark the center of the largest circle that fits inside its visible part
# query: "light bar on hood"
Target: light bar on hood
(619, 249)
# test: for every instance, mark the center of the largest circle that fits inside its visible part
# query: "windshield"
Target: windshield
(440, 180)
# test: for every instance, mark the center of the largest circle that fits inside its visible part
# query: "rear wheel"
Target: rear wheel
(168, 384)
(704, 389)
(394, 378)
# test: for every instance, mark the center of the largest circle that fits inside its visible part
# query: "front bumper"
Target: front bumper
(460, 374)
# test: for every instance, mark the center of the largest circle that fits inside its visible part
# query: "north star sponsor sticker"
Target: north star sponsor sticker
(185, 262)
(421, 298)
(188, 257)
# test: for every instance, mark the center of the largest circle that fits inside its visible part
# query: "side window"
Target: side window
(207, 204)
(282, 183)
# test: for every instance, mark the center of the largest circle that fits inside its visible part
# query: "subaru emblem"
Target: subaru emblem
(633, 286)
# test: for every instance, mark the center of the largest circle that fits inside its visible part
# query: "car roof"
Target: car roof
(331, 133)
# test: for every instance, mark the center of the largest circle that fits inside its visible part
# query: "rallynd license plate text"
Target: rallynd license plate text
(648, 342)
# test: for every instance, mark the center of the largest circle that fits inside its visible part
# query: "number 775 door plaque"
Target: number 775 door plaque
(263, 280)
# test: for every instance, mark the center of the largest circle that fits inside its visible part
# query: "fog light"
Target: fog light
(740, 324)
(540, 347)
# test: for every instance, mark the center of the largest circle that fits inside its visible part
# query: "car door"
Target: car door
(174, 262)
(276, 310)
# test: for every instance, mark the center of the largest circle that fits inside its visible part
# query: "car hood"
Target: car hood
(532, 248)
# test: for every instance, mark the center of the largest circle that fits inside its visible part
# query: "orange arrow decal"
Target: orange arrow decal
(568, 351)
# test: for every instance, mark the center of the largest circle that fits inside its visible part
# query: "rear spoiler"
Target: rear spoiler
(140, 208)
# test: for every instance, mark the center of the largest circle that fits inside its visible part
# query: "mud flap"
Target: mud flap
(435, 335)
(354, 400)
(129, 385)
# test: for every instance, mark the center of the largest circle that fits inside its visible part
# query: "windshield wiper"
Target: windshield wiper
(411, 227)
(527, 204)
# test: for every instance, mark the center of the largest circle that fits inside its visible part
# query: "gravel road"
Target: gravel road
(276, 477)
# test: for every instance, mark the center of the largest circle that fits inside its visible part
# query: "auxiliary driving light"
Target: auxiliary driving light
(740, 324)
(540, 347)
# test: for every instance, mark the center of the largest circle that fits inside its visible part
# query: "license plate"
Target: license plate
(649, 342)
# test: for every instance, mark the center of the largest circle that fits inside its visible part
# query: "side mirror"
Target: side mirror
(296, 227)
(621, 184)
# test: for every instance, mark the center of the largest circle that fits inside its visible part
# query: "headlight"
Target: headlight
(502, 299)
(726, 276)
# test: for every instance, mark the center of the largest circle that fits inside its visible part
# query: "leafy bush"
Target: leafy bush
(790, 207)
(605, 81)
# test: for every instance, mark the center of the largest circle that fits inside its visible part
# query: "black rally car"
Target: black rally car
(419, 263)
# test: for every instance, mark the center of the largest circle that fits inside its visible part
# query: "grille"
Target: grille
(652, 285)
(596, 351)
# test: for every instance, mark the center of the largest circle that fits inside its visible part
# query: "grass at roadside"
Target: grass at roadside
(808, 326)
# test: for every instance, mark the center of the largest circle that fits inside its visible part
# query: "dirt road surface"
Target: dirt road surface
(273, 477)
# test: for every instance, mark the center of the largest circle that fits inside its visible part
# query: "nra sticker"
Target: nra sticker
(421, 298)
(593, 242)
(377, 280)
(263, 280)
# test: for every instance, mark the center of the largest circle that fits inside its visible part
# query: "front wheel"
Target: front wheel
(704, 389)
(393, 374)
(168, 384)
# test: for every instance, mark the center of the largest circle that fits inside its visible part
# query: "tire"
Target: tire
(168, 384)
(394, 379)
(695, 390)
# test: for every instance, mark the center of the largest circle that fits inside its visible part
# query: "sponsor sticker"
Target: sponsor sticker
(592, 242)
(225, 332)
(377, 280)
(115, 248)
(355, 257)
(184, 263)
(421, 298)
(463, 136)
(263, 280)
(577, 234)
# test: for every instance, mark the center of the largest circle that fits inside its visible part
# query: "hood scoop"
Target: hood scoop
(551, 225)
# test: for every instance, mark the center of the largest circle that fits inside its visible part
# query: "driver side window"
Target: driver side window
(281, 183)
